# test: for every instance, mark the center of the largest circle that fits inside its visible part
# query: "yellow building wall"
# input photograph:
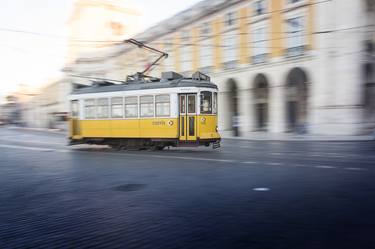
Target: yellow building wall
(195, 42)
(176, 53)
(277, 44)
(310, 25)
(243, 53)
(278, 35)
(217, 28)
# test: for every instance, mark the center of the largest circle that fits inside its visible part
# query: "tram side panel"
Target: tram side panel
(125, 128)
(134, 128)
(95, 128)
(207, 127)
(159, 128)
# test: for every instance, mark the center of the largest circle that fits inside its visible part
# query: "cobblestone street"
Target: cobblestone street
(244, 195)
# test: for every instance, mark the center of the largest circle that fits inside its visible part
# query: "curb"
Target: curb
(301, 140)
(367, 139)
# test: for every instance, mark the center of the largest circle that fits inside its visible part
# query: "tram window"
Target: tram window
(162, 105)
(191, 103)
(214, 104)
(102, 108)
(117, 107)
(147, 106)
(74, 111)
(131, 107)
(89, 108)
(182, 104)
(206, 102)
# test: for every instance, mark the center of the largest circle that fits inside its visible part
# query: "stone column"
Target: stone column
(246, 110)
(277, 109)
(224, 114)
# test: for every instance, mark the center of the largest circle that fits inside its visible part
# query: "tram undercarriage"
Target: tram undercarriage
(146, 144)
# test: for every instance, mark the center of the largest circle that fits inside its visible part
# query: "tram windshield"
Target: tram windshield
(208, 102)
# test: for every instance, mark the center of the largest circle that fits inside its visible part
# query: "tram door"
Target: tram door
(75, 129)
(188, 117)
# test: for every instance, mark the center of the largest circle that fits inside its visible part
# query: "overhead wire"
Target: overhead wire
(121, 41)
(254, 42)
(85, 42)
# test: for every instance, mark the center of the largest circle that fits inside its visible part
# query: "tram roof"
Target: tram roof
(141, 85)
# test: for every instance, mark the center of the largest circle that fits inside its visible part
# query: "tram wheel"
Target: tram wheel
(157, 147)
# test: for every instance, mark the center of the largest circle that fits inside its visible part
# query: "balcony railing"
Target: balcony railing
(230, 64)
(295, 51)
(259, 58)
(206, 70)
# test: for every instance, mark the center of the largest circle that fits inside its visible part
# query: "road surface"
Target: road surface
(247, 194)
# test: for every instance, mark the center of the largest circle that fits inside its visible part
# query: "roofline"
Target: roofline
(186, 23)
(150, 39)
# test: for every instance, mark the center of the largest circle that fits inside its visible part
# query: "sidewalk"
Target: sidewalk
(265, 136)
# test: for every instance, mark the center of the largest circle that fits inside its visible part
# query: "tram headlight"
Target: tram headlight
(217, 128)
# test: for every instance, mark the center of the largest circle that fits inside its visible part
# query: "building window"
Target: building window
(117, 28)
(370, 5)
(206, 102)
(296, 41)
(294, 1)
(230, 50)
(185, 49)
(206, 29)
(131, 107)
(230, 19)
(206, 48)
(206, 54)
(147, 106)
(168, 62)
(102, 108)
(89, 108)
(162, 105)
(117, 107)
(259, 45)
(260, 7)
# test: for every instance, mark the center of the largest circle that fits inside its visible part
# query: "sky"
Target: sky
(34, 60)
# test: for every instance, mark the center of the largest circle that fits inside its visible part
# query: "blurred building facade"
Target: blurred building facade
(10, 111)
(97, 28)
(49, 108)
(301, 66)
(93, 26)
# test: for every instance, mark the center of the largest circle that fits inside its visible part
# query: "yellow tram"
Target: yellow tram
(139, 113)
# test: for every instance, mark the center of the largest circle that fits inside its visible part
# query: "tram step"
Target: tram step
(216, 145)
